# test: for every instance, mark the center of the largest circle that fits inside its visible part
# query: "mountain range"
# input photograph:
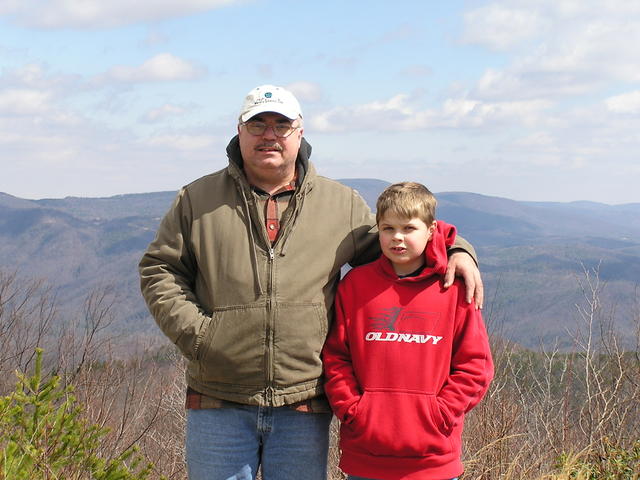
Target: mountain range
(536, 258)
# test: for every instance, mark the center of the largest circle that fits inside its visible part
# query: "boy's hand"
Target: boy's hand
(462, 265)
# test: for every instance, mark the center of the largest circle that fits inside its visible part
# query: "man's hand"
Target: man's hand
(462, 265)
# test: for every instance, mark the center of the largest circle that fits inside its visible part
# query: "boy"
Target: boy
(405, 359)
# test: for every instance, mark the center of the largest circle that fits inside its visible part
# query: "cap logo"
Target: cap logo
(267, 95)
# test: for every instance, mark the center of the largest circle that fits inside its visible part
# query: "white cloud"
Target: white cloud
(182, 141)
(160, 68)
(559, 47)
(475, 113)
(166, 110)
(538, 140)
(591, 139)
(501, 26)
(50, 133)
(54, 14)
(32, 108)
(31, 74)
(306, 91)
(625, 103)
(527, 82)
(35, 76)
(386, 114)
(399, 113)
(23, 101)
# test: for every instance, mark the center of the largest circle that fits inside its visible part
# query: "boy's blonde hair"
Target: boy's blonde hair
(407, 200)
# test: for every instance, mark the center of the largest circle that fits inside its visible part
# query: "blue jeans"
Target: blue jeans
(230, 443)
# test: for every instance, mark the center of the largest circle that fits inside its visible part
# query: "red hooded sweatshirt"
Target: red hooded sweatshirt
(404, 361)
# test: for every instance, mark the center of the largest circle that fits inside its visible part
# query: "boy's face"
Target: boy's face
(403, 240)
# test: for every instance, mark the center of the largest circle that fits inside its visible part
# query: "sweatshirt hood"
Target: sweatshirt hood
(436, 257)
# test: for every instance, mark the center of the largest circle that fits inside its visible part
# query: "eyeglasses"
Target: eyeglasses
(281, 130)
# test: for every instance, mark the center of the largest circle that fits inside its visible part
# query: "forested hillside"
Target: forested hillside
(532, 255)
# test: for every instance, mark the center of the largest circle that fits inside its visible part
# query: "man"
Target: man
(241, 277)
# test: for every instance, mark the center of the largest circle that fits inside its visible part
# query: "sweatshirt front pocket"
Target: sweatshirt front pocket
(397, 423)
(232, 350)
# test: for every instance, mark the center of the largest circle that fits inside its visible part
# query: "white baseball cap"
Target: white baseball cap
(269, 98)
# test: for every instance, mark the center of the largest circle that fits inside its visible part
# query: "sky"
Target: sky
(527, 100)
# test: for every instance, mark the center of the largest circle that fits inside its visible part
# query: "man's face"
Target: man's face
(268, 154)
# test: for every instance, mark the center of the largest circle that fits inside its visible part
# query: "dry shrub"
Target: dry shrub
(549, 414)
(27, 313)
(138, 396)
(560, 414)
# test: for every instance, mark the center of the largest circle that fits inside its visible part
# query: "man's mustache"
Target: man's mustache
(273, 146)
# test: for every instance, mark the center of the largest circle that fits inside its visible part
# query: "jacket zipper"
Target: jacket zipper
(269, 393)
(270, 390)
(270, 331)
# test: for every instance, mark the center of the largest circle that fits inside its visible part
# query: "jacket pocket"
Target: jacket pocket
(300, 330)
(397, 423)
(188, 340)
(233, 346)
